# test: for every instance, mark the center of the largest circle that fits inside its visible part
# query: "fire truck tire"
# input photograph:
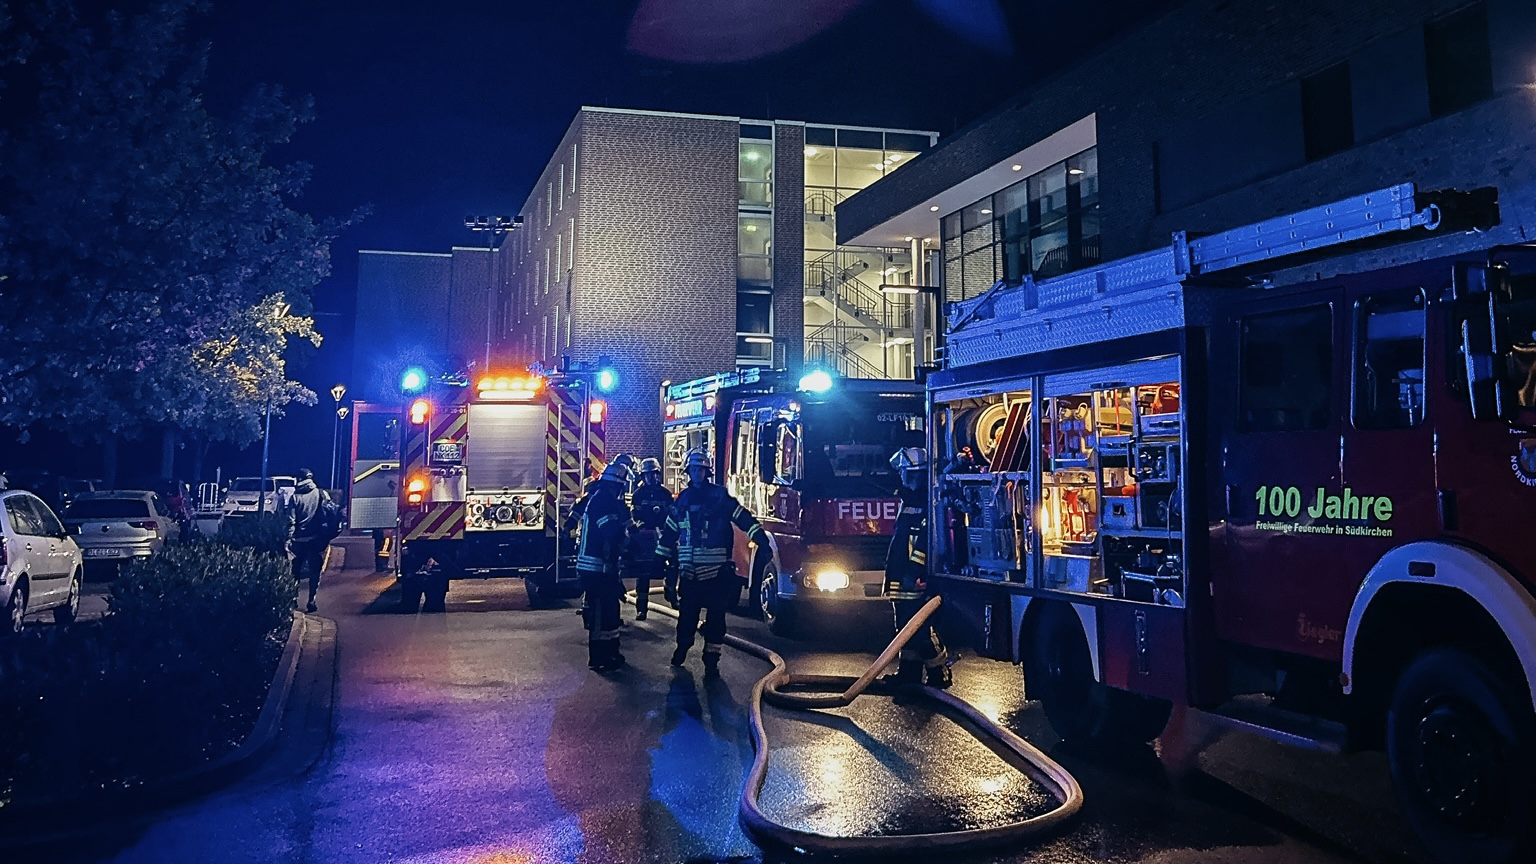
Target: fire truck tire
(410, 595)
(1058, 672)
(777, 614)
(1460, 748)
(536, 598)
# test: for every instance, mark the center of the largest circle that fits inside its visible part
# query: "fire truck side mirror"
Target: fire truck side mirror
(768, 452)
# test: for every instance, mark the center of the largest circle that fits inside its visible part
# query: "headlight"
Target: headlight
(830, 580)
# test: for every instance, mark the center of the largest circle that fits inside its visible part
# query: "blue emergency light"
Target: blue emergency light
(816, 381)
(607, 377)
(413, 380)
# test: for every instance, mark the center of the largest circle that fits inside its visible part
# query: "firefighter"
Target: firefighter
(572, 525)
(697, 537)
(650, 504)
(604, 529)
(924, 659)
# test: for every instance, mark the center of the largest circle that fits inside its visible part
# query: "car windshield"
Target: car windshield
(848, 443)
(107, 508)
(249, 484)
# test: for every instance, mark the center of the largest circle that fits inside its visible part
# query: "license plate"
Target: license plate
(103, 553)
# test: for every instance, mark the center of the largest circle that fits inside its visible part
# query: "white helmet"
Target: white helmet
(649, 464)
(909, 459)
(697, 459)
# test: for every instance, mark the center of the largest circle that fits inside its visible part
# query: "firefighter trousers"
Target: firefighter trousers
(709, 597)
(925, 646)
(603, 591)
(644, 573)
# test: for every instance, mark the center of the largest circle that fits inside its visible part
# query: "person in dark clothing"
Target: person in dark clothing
(924, 659)
(304, 537)
(697, 536)
(650, 504)
(604, 527)
(571, 528)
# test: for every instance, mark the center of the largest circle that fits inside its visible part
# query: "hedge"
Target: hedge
(173, 676)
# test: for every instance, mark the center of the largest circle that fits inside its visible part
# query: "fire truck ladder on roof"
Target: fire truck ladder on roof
(723, 381)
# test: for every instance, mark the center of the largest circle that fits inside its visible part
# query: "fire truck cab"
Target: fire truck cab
(809, 459)
(489, 472)
(1295, 501)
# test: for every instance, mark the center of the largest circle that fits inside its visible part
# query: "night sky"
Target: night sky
(428, 112)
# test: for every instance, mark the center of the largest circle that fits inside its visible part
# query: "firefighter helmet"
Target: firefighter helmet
(697, 459)
(649, 464)
(616, 472)
(909, 459)
(627, 460)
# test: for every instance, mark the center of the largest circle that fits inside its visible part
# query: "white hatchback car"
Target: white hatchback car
(240, 500)
(118, 527)
(40, 564)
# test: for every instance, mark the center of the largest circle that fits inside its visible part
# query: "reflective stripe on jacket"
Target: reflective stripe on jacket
(604, 527)
(698, 532)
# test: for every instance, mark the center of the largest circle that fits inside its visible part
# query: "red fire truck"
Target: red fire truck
(489, 470)
(810, 461)
(1292, 499)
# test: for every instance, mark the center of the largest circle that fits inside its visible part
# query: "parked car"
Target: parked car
(175, 494)
(40, 564)
(117, 527)
(56, 491)
(241, 498)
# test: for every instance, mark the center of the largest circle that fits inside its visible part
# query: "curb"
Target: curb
(39, 822)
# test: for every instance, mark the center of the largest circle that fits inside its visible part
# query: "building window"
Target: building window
(562, 186)
(1457, 60)
(754, 249)
(1287, 371)
(559, 248)
(573, 169)
(570, 249)
(1389, 362)
(546, 269)
(1043, 226)
(755, 174)
(1327, 112)
(549, 204)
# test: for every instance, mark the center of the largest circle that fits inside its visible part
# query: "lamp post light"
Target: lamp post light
(495, 227)
(337, 392)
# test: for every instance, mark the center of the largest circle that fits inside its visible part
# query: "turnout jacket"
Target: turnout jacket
(697, 533)
(649, 506)
(604, 527)
(906, 561)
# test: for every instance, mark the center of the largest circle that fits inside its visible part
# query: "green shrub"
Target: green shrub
(173, 676)
(266, 533)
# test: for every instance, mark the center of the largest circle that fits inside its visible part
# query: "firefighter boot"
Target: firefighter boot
(615, 659)
(937, 675)
(908, 672)
(680, 656)
(711, 661)
(595, 654)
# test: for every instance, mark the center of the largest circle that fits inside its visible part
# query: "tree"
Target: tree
(144, 243)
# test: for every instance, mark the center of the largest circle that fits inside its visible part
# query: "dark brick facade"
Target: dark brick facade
(789, 243)
(1214, 68)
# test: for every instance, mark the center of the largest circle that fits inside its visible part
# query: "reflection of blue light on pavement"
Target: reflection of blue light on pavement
(701, 800)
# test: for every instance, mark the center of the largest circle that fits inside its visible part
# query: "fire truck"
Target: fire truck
(808, 458)
(488, 472)
(1294, 499)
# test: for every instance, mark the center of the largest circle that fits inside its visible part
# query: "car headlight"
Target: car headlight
(830, 580)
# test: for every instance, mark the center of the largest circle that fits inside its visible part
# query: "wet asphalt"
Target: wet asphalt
(480, 736)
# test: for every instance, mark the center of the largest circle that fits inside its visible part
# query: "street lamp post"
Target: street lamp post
(337, 392)
(495, 227)
(266, 435)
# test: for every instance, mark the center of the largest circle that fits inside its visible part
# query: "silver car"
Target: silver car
(241, 499)
(40, 565)
(117, 527)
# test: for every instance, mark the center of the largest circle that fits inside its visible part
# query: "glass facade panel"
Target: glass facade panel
(754, 234)
(857, 168)
(754, 312)
(755, 173)
(1042, 226)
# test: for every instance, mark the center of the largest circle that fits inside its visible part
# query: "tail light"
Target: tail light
(596, 411)
(415, 489)
(5, 552)
(419, 411)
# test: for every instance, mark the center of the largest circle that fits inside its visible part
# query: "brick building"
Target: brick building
(681, 245)
(1220, 113)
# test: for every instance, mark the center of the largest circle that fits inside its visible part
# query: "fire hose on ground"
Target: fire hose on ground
(838, 691)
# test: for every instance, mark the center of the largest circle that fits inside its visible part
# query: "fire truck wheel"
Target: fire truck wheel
(1459, 743)
(1059, 674)
(410, 595)
(536, 598)
(778, 615)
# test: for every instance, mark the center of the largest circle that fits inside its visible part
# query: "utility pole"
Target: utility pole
(495, 227)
